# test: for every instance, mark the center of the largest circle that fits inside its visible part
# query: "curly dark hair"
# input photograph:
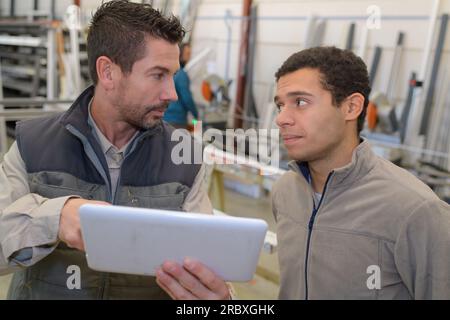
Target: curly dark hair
(342, 73)
(118, 30)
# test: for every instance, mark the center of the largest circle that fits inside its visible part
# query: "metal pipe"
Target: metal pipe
(242, 62)
(3, 140)
(435, 136)
(374, 67)
(229, 32)
(429, 43)
(407, 107)
(350, 36)
(309, 31)
(52, 10)
(428, 106)
(199, 58)
(415, 115)
(363, 44)
(51, 64)
(12, 8)
(14, 115)
(18, 102)
(390, 91)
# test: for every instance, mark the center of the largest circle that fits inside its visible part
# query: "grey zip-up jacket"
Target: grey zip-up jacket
(58, 157)
(377, 233)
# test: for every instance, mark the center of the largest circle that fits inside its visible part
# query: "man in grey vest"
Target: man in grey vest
(110, 147)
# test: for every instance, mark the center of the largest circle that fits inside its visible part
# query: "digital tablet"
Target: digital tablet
(137, 241)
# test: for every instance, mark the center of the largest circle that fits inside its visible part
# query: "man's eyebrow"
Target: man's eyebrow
(157, 68)
(294, 94)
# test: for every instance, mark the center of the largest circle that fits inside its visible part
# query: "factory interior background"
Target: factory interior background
(237, 46)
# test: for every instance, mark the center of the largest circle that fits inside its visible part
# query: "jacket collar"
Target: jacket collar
(363, 161)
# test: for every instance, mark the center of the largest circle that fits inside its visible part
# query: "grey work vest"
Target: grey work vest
(63, 158)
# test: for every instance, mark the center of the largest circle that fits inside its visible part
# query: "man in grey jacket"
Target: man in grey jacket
(350, 225)
(110, 147)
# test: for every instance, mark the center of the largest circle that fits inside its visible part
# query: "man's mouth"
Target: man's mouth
(290, 138)
(158, 111)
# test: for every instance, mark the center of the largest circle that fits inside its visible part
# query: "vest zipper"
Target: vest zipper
(310, 229)
(94, 159)
(113, 202)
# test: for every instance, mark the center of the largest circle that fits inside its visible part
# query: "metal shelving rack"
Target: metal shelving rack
(28, 58)
(28, 64)
(36, 53)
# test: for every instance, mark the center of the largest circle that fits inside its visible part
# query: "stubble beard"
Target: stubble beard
(139, 117)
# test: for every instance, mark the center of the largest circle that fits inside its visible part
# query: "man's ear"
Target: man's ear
(106, 70)
(353, 106)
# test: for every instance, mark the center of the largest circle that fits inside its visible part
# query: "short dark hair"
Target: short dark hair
(343, 73)
(118, 30)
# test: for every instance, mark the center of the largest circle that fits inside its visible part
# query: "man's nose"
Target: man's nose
(170, 93)
(284, 118)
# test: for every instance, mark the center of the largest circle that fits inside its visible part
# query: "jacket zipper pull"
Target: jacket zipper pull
(311, 221)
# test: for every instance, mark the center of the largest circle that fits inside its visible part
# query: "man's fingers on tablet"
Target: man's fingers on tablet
(187, 280)
(172, 268)
(165, 289)
(171, 286)
(81, 242)
(208, 278)
(194, 285)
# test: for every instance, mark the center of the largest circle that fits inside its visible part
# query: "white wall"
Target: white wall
(278, 37)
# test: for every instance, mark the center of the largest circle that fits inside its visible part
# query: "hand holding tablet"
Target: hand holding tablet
(139, 241)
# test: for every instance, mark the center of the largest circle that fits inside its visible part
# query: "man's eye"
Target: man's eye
(300, 102)
(157, 76)
(278, 106)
